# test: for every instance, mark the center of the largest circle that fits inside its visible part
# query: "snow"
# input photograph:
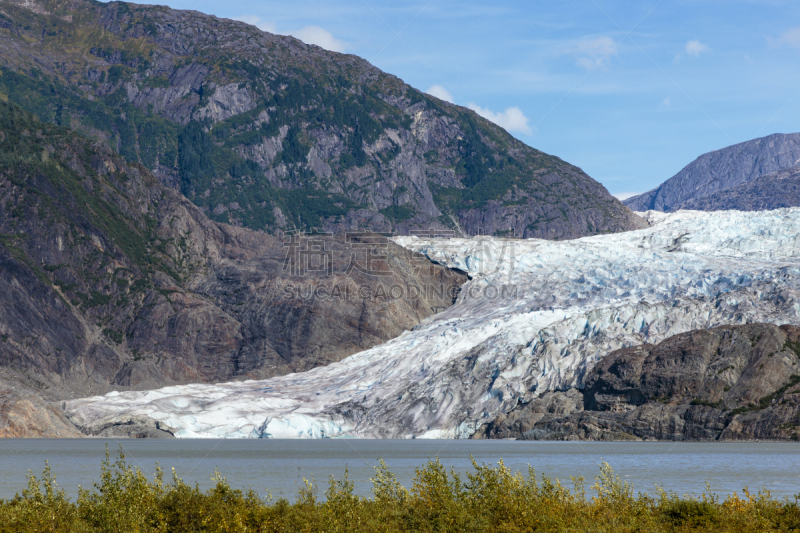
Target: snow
(536, 316)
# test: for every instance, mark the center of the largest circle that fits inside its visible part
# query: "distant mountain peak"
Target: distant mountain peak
(721, 170)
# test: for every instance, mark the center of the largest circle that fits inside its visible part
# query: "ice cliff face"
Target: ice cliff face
(536, 316)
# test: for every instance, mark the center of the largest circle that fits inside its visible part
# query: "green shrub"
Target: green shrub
(42, 506)
(114, 335)
(123, 499)
(489, 498)
(680, 513)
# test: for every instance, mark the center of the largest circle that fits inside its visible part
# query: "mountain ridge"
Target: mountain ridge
(773, 191)
(720, 170)
(266, 132)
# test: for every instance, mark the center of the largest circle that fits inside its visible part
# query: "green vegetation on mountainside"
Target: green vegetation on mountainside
(244, 123)
(53, 182)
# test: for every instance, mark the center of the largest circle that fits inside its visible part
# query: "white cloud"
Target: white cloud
(321, 37)
(441, 93)
(512, 119)
(666, 102)
(625, 195)
(309, 35)
(695, 48)
(256, 21)
(790, 37)
(592, 53)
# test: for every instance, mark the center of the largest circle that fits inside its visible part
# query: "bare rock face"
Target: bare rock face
(24, 414)
(773, 191)
(283, 307)
(111, 281)
(721, 170)
(225, 101)
(726, 383)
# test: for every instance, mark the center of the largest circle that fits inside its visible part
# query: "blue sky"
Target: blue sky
(629, 91)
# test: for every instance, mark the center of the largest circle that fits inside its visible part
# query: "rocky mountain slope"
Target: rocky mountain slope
(111, 281)
(699, 184)
(535, 318)
(266, 132)
(773, 191)
(25, 414)
(727, 383)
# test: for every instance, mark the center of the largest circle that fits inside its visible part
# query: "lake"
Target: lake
(279, 466)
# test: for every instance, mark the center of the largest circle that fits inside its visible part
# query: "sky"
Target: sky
(631, 92)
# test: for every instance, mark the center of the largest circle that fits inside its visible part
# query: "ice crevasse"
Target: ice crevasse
(535, 316)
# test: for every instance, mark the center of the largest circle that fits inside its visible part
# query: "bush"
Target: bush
(489, 498)
(688, 512)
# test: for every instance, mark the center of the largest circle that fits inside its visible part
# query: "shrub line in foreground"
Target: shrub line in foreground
(488, 498)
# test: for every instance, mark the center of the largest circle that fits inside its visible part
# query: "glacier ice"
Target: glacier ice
(535, 316)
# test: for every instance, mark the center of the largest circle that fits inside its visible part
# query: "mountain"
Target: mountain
(111, 281)
(265, 132)
(773, 191)
(535, 318)
(727, 383)
(722, 170)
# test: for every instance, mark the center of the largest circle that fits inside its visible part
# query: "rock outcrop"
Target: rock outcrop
(725, 169)
(726, 383)
(24, 414)
(266, 132)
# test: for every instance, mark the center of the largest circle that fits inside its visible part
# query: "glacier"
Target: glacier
(535, 316)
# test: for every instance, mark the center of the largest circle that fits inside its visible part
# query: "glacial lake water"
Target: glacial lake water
(278, 466)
